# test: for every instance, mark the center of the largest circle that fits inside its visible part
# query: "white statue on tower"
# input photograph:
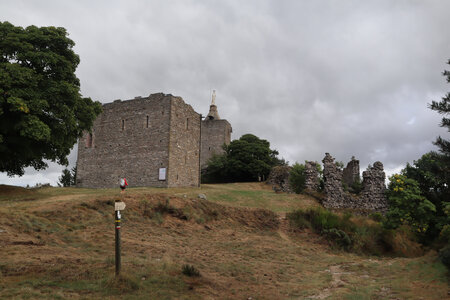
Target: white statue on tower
(213, 101)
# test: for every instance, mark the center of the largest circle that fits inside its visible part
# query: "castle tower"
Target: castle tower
(152, 141)
(215, 132)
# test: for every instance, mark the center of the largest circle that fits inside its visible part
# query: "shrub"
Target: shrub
(297, 178)
(325, 223)
(377, 217)
(407, 206)
(340, 237)
(357, 234)
(190, 270)
(356, 187)
(164, 208)
(444, 255)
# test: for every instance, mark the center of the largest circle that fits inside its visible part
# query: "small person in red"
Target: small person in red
(123, 184)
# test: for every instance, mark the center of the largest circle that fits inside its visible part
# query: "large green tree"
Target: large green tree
(430, 173)
(245, 159)
(443, 108)
(42, 113)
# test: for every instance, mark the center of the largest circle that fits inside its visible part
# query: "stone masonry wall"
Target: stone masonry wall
(133, 139)
(372, 197)
(279, 179)
(215, 133)
(332, 175)
(373, 194)
(184, 145)
(351, 172)
(312, 176)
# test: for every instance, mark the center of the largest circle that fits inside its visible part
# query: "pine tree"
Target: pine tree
(443, 108)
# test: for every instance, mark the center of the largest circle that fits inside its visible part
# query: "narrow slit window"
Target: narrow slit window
(89, 140)
(123, 125)
(147, 122)
(187, 124)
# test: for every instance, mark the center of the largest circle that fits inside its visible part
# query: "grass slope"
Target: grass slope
(58, 243)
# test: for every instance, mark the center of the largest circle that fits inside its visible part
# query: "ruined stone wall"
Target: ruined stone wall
(332, 176)
(373, 194)
(279, 179)
(133, 139)
(184, 145)
(351, 172)
(215, 133)
(311, 176)
(372, 198)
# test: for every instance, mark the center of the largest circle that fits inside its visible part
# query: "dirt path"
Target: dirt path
(336, 282)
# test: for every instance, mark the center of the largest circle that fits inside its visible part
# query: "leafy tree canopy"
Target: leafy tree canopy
(42, 113)
(432, 175)
(407, 205)
(245, 159)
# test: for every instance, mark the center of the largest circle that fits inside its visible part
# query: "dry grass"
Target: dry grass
(59, 243)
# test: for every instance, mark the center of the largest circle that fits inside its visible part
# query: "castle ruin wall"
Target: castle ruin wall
(311, 176)
(372, 197)
(350, 174)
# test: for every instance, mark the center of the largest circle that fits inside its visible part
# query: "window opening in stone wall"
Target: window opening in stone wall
(147, 122)
(89, 140)
(185, 159)
(209, 148)
(123, 125)
(187, 124)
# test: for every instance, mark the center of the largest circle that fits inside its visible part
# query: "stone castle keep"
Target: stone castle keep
(157, 141)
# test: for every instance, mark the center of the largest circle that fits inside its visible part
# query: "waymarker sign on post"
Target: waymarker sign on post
(118, 206)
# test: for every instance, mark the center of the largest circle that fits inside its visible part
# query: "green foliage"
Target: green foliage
(361, 237)
(297, 178)
(42, 113)
(407, 206)
(377, 217)
(444, 255)
(340, 237)
(443, 108)
(68, 178)
(246, 159)
(339, 164)
(326, 223)
(356, 187)
(432, 172)
(190, 270)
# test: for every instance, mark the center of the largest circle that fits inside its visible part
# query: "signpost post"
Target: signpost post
(118, 206)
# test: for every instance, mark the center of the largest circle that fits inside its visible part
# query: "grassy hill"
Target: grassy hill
(59, 243)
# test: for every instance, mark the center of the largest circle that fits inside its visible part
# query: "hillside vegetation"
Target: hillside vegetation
(59, 243)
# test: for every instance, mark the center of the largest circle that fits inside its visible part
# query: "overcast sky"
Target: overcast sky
(344, 77)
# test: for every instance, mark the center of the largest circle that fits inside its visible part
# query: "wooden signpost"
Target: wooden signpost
(118, 206)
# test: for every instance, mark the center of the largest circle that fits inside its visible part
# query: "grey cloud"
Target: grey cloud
(345, 77)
